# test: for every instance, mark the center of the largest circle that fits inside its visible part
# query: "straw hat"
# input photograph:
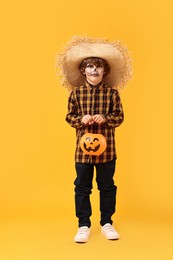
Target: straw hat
(79, 48)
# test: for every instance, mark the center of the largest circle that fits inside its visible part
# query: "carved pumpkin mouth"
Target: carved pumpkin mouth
(89, 149)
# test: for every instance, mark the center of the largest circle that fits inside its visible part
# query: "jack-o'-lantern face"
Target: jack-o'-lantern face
(93, 144)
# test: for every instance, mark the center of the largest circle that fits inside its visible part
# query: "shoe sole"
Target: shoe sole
(110, 238)
(80, 242)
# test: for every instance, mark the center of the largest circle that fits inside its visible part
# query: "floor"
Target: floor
(46, 237)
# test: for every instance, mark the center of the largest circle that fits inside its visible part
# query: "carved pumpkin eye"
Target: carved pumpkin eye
(93, 144)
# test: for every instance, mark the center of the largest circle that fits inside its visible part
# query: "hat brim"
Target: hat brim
(80, 48)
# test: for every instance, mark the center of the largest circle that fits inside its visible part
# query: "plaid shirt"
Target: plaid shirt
(92, 100)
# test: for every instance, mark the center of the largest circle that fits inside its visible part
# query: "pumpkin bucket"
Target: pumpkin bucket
(93, 144)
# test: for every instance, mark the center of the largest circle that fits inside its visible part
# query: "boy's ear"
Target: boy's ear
(82, 71)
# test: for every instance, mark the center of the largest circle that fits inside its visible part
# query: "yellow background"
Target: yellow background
(37, 146)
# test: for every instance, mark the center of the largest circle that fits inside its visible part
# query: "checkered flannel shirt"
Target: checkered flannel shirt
(92, 100)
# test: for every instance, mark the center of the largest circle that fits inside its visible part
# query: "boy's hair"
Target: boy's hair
(96, 61)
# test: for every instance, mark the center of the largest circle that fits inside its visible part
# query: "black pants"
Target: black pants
(83, 187)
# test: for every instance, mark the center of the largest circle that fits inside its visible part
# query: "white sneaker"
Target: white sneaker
(109, 232)
(82, 235)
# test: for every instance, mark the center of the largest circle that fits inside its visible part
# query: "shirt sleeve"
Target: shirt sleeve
(116, 115)
(72, 117)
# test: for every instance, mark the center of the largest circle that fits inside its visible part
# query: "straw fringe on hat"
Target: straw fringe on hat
(79, 48)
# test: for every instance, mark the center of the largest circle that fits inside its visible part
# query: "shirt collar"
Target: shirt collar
(90, 86)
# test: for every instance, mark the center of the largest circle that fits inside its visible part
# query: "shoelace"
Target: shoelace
(82, 230)
(109, 228)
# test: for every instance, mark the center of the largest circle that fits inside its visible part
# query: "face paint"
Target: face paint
(94, 73)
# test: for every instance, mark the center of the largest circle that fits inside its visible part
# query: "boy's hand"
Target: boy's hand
(98, 119)
(87, 119)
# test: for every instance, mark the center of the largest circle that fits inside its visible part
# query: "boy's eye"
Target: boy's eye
(100, 66)
(89, 66)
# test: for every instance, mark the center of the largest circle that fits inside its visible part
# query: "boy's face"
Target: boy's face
(94, 73)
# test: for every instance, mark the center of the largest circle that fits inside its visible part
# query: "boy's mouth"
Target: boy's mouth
(94, 74)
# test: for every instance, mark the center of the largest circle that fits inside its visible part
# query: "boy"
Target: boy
(95, 107)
